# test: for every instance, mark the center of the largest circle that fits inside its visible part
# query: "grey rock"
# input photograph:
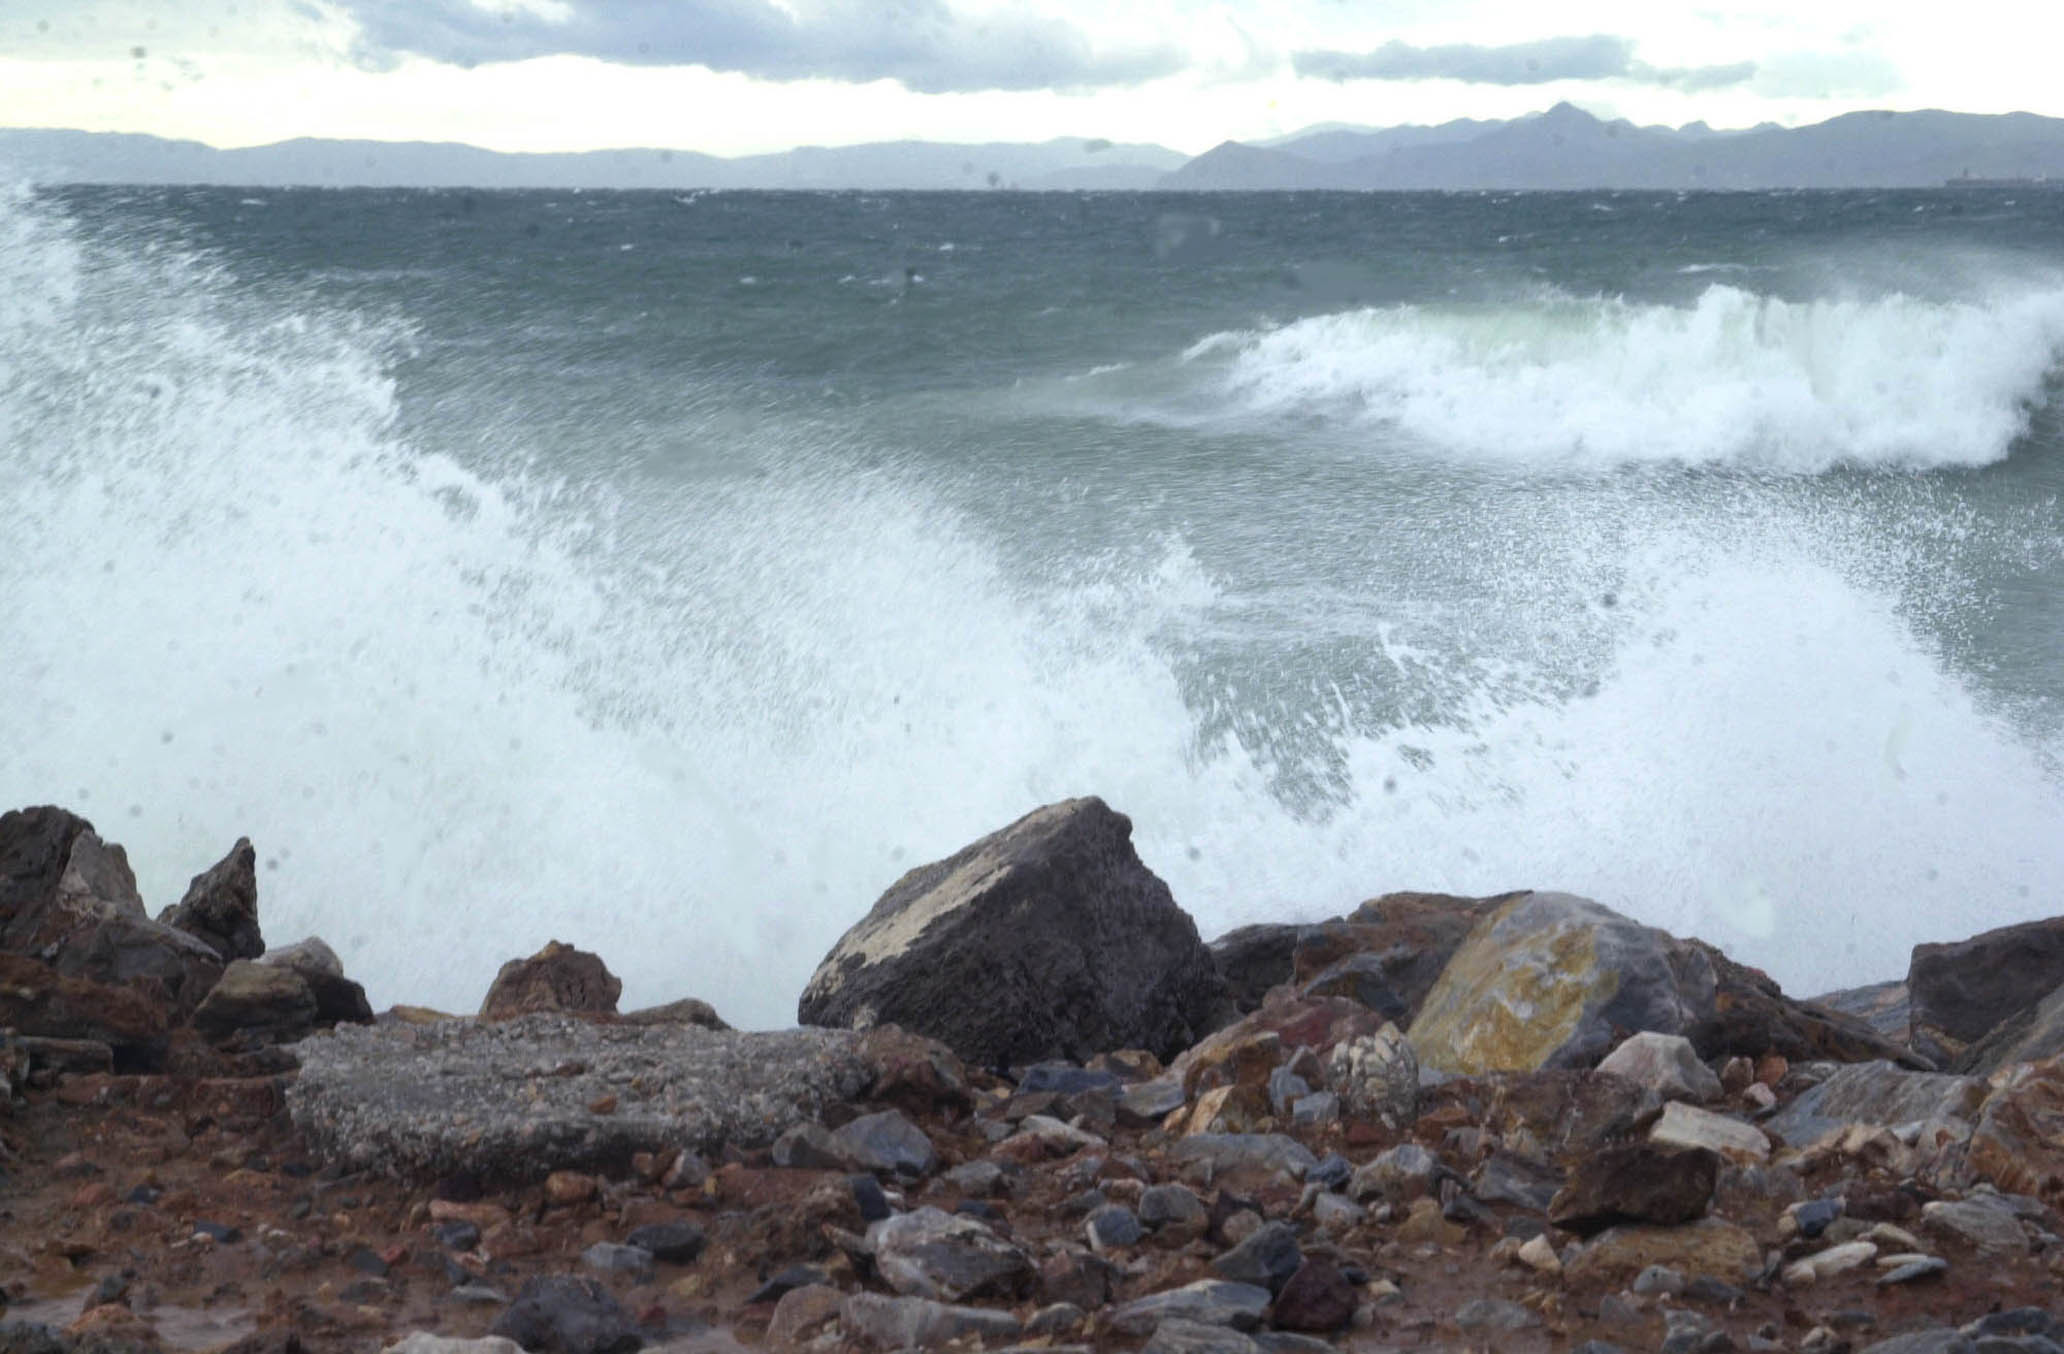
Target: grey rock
(481, 1098)
(607, 1257)
(1149, 1102)
(1248, 1151)
(1172, 1205)
(1980, 1224)
(890, 1144)
(1316, 1110)
(1285, 1088)
(424, 1342)
(1209, 1302)
(1055, 1319)
(1065, 1078)
(1266, 1258)
(220, 908)
(918, 1323)
(979, 1179)
(564, 1314)
(947, 1257)
(337, 998)
(1398, 1176)
(1885, 1007)
(310, 954)
(1494, 1314)
(1914, 1270)
(1523, 1181)
(813, 1147)
(673, 1243)
(1113, 1227)
(1046, 939)
(1875, 1093)
(1664, 1063)
(1192, 1337)
(1940, 1341)
(1362, 977)
(789, 1280)
(477, 1295)
(1659, 1279)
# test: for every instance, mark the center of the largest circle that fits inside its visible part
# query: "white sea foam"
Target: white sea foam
(1736, 379)
(700, 728)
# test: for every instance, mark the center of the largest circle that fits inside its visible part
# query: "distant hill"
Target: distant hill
(1563, 148)
(1567, 148)
(104, 157)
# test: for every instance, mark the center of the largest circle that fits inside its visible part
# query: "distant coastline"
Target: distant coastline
(1564, 148)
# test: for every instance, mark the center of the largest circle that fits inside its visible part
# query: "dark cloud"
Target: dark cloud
(921, 44)
(1598, 57)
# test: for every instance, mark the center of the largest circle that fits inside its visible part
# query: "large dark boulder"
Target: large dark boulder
(1962, 990)
(1751, 1016)
(220, 908)
(69, 899)
(1388, 952)
(2031, 1034)
(260, 1003)
(1046, 939)
(1254, 959)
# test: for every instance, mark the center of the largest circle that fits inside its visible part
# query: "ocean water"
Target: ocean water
(666, 574)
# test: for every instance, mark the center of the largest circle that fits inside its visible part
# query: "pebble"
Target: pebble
(456, 1235)
(673, 1243)
(608, 1257)
(1915, 1268)
(1494, 1314)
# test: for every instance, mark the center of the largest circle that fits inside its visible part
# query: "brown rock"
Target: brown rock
(1317, 1298)
(802, 1315)
(1076, 1276)
(1388, 952)
(1706, 1247)
(1317, 1023)
(565, 1188)
(687, 1011)
(1752, 1016)
(1636, 1182)
(2018, 1143)
(480, 1213)
(556, 978)
(36, 999)
(258, 1002)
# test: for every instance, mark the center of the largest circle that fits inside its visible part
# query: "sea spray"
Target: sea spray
(696, 718)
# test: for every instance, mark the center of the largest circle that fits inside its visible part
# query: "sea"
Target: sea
(667, 573)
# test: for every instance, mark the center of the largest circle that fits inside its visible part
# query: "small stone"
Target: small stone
(1113, 1227)
(1658, 1280)
(602, 1104)
(1267, 1258)
(1056, 1319)
(1832, 1261)
(932, 1254)
(673, 1243)
(1191, 1337)
(1913, 1270)
(1209, 1302)
(608, 1257)
(1539, 1254)
(890, 1143)
(802, 1314)
(425, 1342)
(793, 1279)
(1425, 1224)
(221, 1233)
(1316, 1110)
(1337, 1212)
(477, 1295)
(1636, 1182)
(1987, 1228)
(869, 1197)
(1174, 1210)
(457, 1235)
(1317, 1298)
(566, 1314)
(565, 1188)
(1405, 1172)
(1494, 1314)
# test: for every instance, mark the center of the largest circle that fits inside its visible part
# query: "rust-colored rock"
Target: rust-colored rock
(37, 999)
(556, 978)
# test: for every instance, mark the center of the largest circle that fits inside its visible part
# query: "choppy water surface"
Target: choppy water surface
(667, 574)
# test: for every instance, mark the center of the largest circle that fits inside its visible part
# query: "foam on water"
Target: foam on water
(698, 727)
(1738, 378)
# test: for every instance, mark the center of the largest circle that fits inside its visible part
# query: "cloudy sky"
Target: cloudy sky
(738, 76)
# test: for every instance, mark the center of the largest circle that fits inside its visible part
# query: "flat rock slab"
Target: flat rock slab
(511, 1100)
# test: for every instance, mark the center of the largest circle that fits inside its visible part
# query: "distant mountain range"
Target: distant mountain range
(1568, 148)
(1563, 148)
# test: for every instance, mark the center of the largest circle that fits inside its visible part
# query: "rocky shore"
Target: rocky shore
(1027, 1106)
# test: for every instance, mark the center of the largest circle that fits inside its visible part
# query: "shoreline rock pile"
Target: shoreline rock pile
(1027, 1107)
